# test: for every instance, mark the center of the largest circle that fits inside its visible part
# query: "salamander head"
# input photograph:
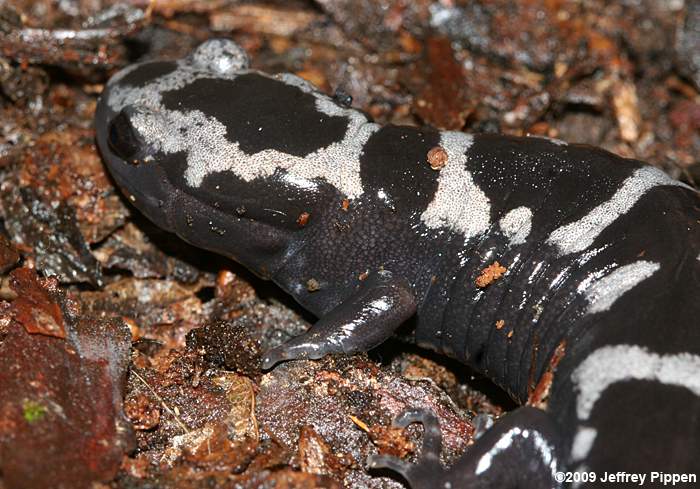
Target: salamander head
(138, 132)
(227, 157)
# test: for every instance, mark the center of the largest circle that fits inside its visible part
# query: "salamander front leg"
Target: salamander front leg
(365, 320)
(519, 452)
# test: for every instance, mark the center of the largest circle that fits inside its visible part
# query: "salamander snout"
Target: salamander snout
(125, 137)
(132, 161)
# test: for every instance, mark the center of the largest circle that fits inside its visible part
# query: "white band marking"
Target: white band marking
(603, 292)
(459, 203)
(611, 364)
(579, 235)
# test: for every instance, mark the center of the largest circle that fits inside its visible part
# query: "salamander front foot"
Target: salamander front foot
(366, 319)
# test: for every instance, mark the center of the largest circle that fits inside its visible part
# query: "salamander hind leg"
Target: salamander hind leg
(427, 471)
(363, 321)
(519, 451)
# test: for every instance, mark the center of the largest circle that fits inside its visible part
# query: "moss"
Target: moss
(33, 411)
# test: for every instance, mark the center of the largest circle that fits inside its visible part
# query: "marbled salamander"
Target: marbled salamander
(602, 256)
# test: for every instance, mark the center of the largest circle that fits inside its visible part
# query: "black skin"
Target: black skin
(428, 472)
(376, 266)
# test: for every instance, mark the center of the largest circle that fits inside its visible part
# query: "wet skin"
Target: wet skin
(602, 256)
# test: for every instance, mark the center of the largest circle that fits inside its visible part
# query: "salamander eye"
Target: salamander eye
(221, 56)
(123, 138)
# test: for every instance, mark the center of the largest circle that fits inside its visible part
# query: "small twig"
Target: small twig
(162, 402)
(360, 424)
(252, 415)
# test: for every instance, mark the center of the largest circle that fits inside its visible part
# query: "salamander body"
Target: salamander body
(369, 227)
